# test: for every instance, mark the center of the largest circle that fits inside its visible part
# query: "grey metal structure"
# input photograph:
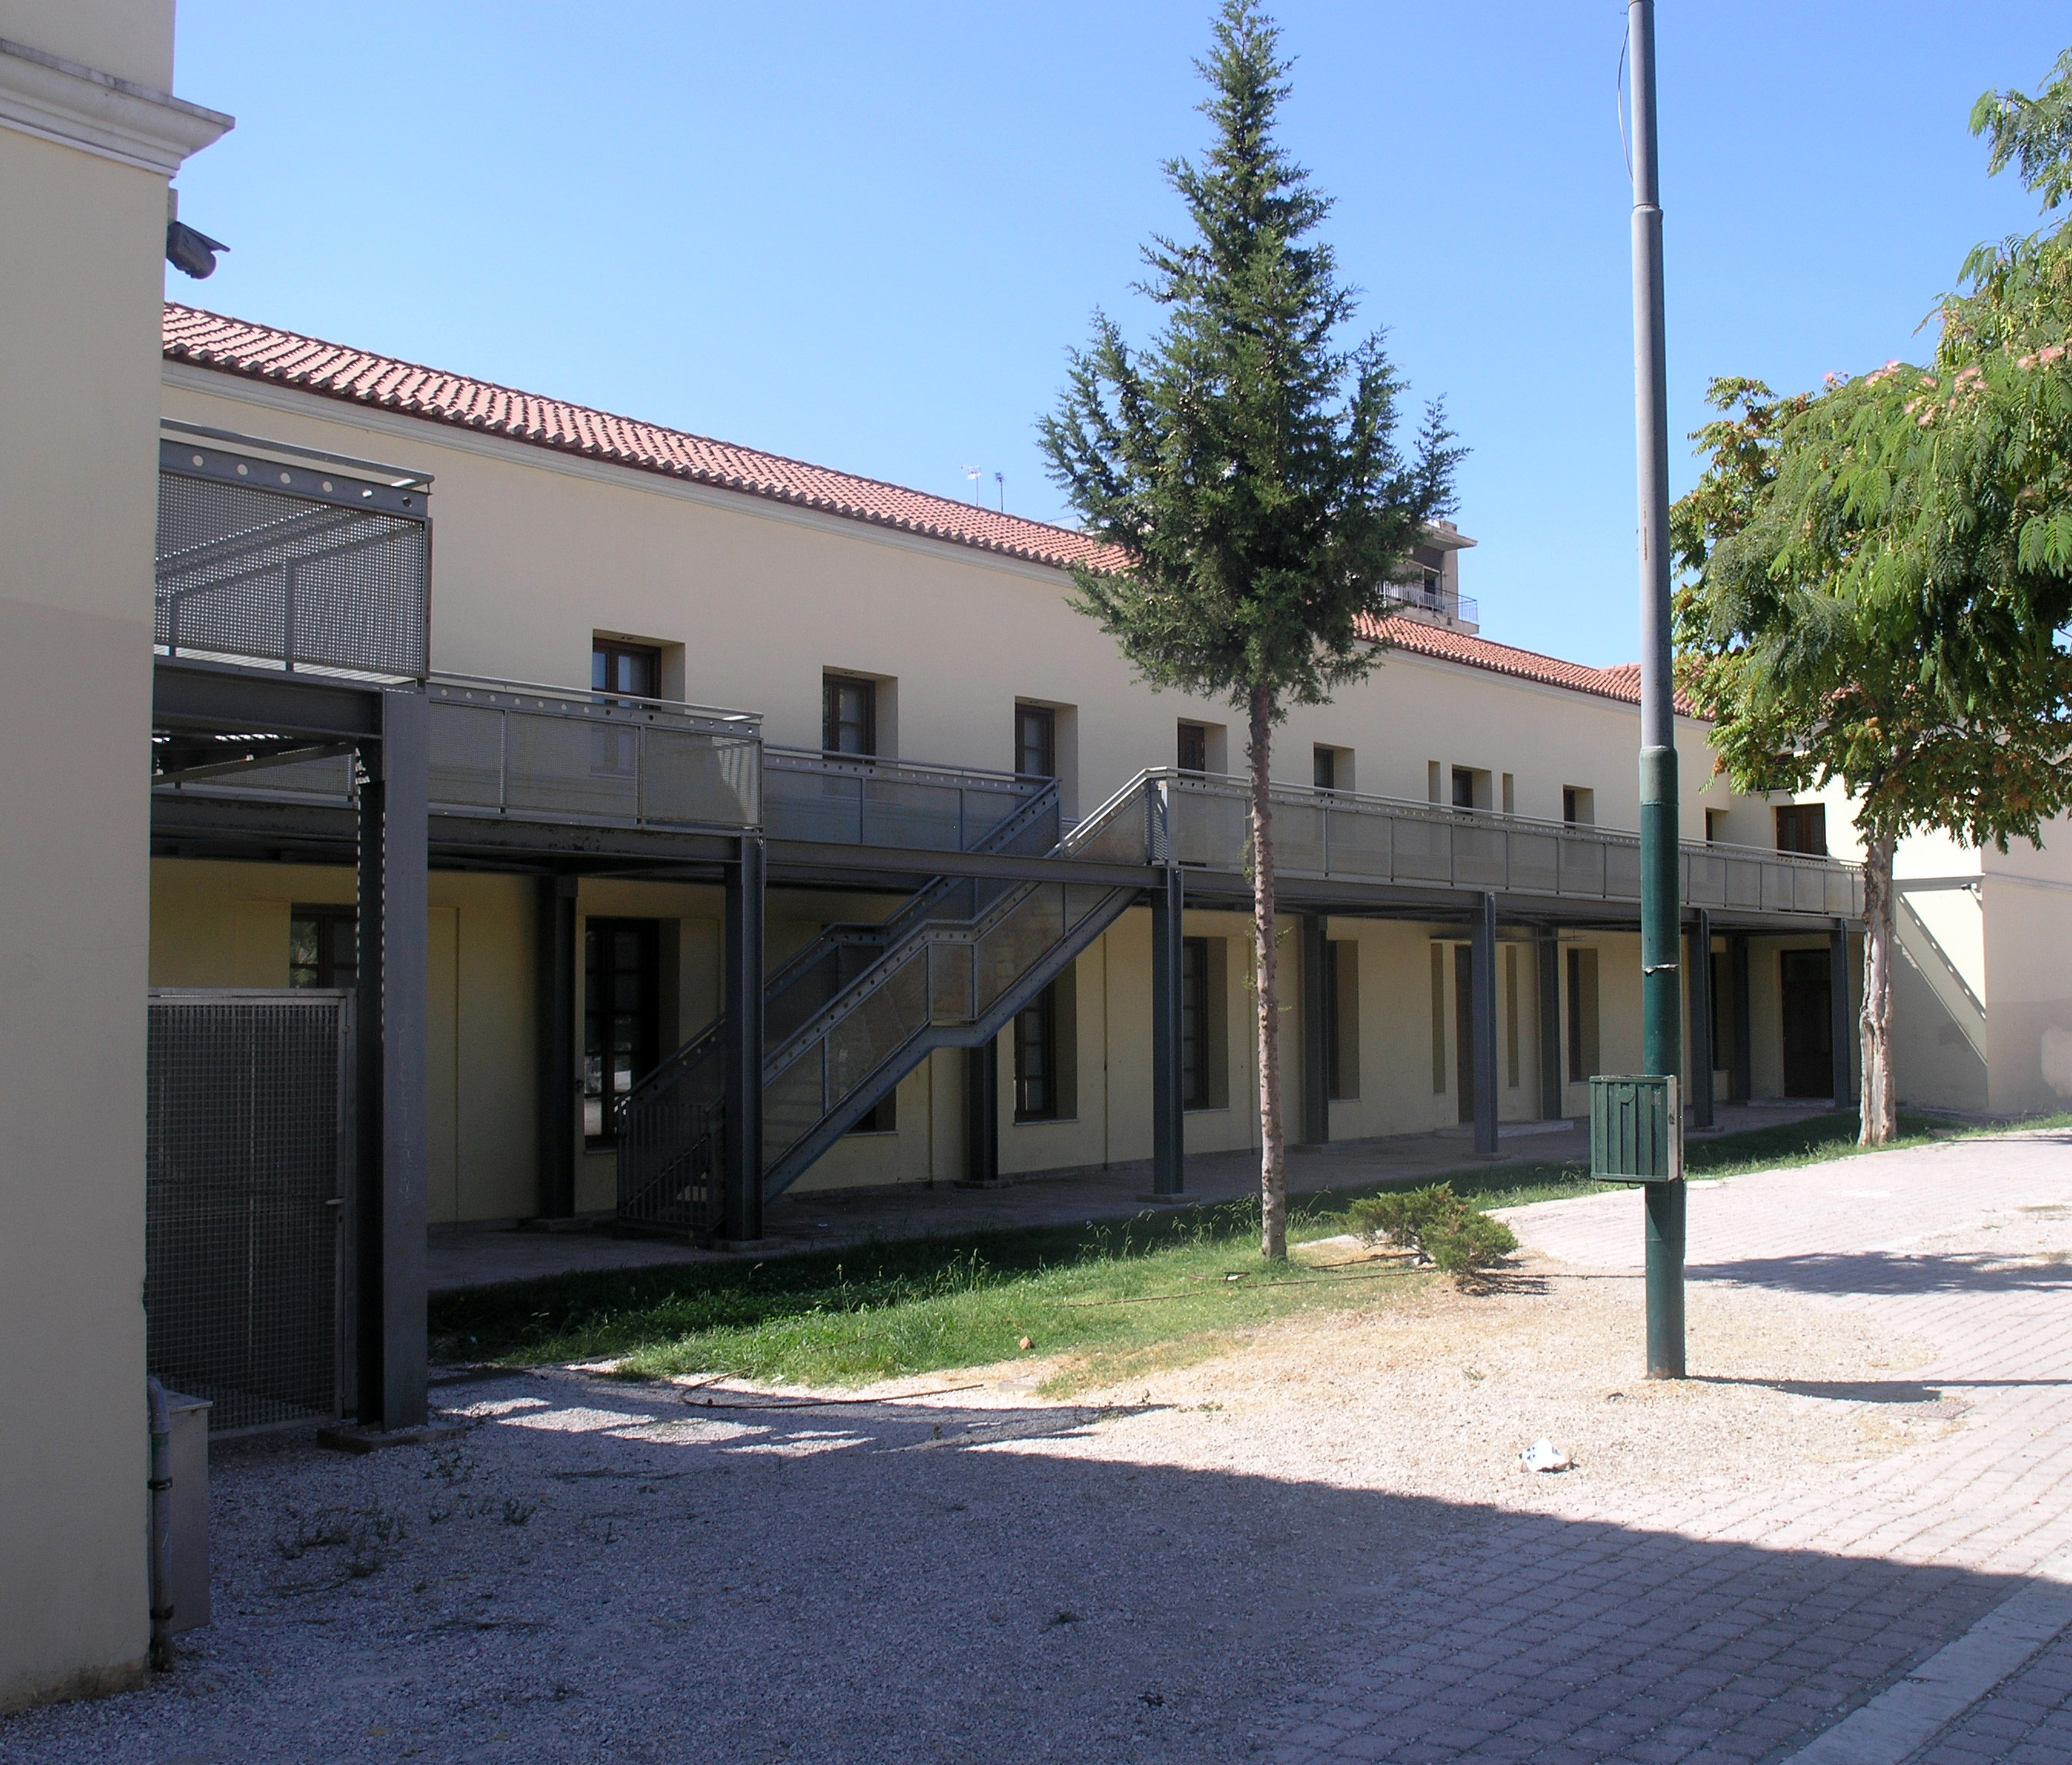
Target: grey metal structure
(248, 1134)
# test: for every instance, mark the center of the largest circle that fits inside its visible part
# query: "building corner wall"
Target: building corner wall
(79, 380)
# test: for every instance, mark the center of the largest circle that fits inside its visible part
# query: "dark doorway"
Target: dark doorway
(622, 1018)
(1809, 1029)
(1464, 1029)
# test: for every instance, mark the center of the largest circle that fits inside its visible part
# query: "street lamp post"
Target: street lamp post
(1661, 916)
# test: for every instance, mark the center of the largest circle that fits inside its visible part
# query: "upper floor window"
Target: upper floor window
(849, 715)
(1802, 827)
(1035, 741)
(1579, 805)
(635, 669)
(1325, 769)
(1464, 787)
(1715, 826)
(1193, 747)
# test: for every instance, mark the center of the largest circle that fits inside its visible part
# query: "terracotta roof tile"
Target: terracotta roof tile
(260, 352)
(235, 346)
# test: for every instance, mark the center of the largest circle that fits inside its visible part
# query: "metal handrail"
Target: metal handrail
(605, 706)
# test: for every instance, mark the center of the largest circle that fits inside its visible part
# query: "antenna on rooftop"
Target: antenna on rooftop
(1001, 479)
(972, 472)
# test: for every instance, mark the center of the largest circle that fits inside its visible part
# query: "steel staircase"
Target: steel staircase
(862, 1005)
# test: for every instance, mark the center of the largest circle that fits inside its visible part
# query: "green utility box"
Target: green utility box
(1636, 1130)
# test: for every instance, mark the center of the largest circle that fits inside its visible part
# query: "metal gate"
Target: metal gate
(248, 1162)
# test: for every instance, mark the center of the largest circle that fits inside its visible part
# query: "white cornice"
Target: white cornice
(79, 107)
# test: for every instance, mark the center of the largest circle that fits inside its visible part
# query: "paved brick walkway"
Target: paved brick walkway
(1741, 1628)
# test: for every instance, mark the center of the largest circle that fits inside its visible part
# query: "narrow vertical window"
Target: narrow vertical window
(622, 1018)
(1195, 1024)
(1035, 741)
(1715, 826)
(1194, 756)
(1464, 787)
(323, 946)
(1510, 1016)
(1341, 1018)
(1438, 1019)
(1036, 1058)
(1325, 766)
(1582, 1015)
(849, 715)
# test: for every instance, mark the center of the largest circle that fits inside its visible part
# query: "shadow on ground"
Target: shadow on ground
(1879, 1272)
(608, 1571)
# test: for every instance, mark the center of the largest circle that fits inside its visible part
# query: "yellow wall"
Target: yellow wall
(80, 286)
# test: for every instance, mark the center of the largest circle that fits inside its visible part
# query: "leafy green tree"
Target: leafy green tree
(1246, 462)
(1880, 573)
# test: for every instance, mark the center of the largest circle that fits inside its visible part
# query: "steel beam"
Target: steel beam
(1703, 1057)
(215, 696)
(1482, 960)
(742, 1204)
(390, 1201)
(555, 947)
(1316, 1125)
(1169, 1100)
(982, 1116)
(1553, 1097)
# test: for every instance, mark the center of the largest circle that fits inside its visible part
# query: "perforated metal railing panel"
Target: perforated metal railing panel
(246, 1171)
(289, 573)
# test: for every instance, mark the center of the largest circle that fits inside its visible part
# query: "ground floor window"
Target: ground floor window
(1342, 1019)
(1583, 1055)
(1204, 1057)
(1046, 1054)
(882, 1117)
(323, 946)
(622, 1018)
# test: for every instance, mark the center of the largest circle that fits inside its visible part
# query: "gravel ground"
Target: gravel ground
(601, 1570)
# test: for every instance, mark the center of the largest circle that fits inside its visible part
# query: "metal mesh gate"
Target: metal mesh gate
(247, 1160)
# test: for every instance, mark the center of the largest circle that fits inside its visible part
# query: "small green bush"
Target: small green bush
(1440, 1229)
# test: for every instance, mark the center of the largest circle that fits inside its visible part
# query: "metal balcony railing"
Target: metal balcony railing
(1429, 596)
(297, 566)
(850, 800)
(1343, 837)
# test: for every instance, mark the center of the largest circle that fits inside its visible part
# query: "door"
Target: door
(1809, 1031)
(1464, 1029)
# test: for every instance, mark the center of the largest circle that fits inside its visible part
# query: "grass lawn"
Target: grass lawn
(1134, 1296)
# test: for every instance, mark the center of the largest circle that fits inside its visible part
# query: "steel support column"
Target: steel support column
(555, 956)
(1169, 1100)
(742, 1204)
(1703, 1057)
(1482, 972)
(1315, 1128)
(389, 1210)
(1844, 1018)
(982, 1116)
(1553, 1098)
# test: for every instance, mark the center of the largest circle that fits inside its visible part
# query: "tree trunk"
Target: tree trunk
(1880, 1105)
(1272, 1154)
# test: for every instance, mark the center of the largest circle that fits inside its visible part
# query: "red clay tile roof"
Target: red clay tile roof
(234, 346)
(259, 351)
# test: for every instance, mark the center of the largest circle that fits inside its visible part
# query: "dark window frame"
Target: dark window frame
(1462, 776)
(325, 970)
(610, 657)
(1324, 768)
(1584, 1013)
(1044, 749)
(1192, 753)
(1037, 1092)
(1802, 828)
(646, 1052)
(834, 721)
(1197, 1086)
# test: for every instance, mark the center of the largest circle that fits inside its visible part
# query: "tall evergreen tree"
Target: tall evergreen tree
(1881, 573)
(1247, 462)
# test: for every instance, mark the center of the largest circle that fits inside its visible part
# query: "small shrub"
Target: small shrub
(1437, 1227)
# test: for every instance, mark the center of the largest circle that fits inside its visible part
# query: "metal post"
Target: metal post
(1843, 1016)
(1703, 1056)
(982, 1116)
(1660, 918)
(740, 1218)
(1316, 1029)
(390, 1203)
(1553, 1099)
(1169, 1100)
(555, 948)
(1482, 966)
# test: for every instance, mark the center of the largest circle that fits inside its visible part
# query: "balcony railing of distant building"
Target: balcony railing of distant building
(1429, 594)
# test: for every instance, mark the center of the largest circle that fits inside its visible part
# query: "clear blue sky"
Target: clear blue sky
(866, 234)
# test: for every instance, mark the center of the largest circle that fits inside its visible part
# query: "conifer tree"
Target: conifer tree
(1247, 462)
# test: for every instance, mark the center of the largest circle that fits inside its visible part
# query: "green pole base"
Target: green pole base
(1665, 1279)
